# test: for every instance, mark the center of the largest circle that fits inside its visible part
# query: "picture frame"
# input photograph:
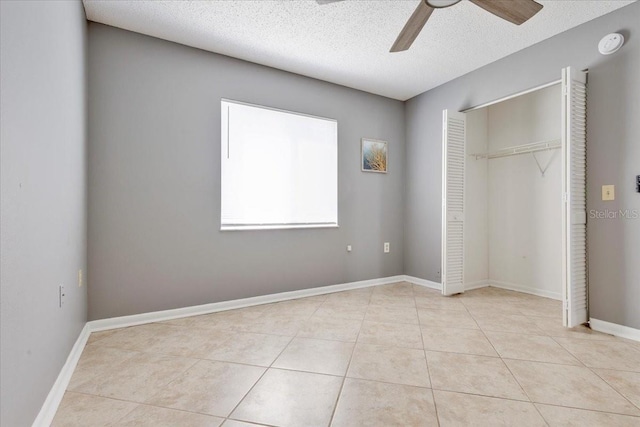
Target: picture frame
(373, 155)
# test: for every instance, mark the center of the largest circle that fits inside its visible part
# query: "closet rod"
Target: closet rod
(520, 149)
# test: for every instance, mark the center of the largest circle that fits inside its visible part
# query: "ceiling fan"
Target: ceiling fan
(514, 11)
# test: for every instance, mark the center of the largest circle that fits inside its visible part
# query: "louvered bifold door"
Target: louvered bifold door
(453, 151)
(574, 134)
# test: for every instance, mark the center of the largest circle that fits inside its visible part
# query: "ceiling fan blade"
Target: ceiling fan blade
(514, 11)
(413, 27)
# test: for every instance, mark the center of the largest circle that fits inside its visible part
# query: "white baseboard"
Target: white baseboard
(159, 316)
(615, 329)
(520, 288)
(476, 285)
(423, 282)
(51, 403)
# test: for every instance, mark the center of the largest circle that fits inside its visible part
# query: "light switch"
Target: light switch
(608, 192)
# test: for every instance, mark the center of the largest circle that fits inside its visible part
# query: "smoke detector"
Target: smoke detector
(610, 43)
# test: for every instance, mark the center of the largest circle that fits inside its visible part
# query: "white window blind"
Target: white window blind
(279, 169)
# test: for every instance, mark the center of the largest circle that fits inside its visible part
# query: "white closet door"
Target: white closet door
(574, 143)
(453, 151)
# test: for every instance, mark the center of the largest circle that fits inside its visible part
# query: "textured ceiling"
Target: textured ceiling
(347, 42)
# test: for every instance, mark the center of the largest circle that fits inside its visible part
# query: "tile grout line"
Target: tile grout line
(593, 371)
(258, 380)
(269, 367)
(426, 361)
(510, 371)
(344, 378)
(582, 364)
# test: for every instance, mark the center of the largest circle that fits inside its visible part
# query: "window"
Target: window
(279, 169)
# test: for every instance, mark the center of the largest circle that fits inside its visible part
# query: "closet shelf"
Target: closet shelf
(520, 149)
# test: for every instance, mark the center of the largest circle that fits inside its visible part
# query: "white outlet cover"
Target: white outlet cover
(608, 192)
(610, 43)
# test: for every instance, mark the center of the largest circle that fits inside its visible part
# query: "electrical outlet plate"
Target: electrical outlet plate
(608, 192)
(79, 278)
(386, 247)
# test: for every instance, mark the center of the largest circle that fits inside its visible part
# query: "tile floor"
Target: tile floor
(389, 355)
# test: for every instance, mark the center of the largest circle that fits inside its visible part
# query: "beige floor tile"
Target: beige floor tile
(457, 409)
(95, 364)
(446, 319)
(137, 338)
(369, 403)
(381, 313)
(187, 342)
(393, 300)
(153, 416)
(289, 398)
(626, 383)
(566, 385)
(249, 348)
(541, 307)
(389, 364)
(424, 292)
(298, 307)
(454, 340)
(554, 328)
(537, 348)
(139, 378)
(213, 388)
(440, 303)
(81, 410)
(506, 323)
(234, 423)
(558, 416)
(487, 376)
(319, 356)
(335, 310)
(222, 321)
(391, 334)
(603, 354)
(401, 289)
(354, 297)
(330, 329)
(275, 323)
(489, 307)
(316, 298)
(97, 336)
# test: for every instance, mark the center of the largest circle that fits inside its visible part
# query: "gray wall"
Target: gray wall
(613, 152)
(154, 181)
(43, 214)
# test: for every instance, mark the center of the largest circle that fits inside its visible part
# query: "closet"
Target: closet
(514, 205)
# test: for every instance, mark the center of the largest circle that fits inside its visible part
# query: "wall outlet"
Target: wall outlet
(79, 278)
(608, 192)
(348, 248)
(386, 248)
(61, 295)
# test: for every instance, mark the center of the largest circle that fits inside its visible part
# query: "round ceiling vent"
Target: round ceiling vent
(610, 43)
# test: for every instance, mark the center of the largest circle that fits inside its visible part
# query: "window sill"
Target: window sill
(274, 227)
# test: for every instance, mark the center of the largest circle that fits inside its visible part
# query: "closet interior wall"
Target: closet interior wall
(513, 220)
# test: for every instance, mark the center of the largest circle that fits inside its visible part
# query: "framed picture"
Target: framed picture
(374, 155)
